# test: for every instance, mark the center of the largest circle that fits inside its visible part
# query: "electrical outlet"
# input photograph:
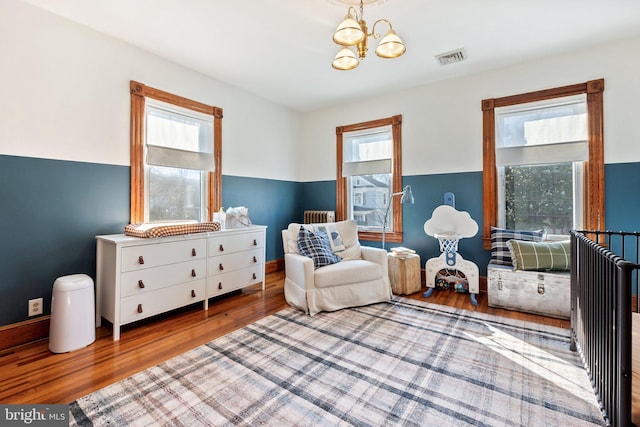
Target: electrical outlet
(35, 307)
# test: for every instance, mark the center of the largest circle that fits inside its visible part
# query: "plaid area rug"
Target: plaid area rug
(405, 362)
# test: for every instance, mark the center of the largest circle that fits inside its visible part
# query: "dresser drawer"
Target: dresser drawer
(151, 279)
(227, 282)
(224, 244)
(141, 306)
(224, 263)
(153, 255)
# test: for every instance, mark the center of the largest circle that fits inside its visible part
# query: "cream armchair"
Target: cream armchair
(361, 278)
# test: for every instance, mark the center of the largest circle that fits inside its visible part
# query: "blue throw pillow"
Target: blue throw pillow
(317, 247)
(499, 237)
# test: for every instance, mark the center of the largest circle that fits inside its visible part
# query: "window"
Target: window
(369, 171)
(543, 160)
(540, 148)
(175, 157)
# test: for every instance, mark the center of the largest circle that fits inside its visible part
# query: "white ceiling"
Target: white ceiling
(282, 49)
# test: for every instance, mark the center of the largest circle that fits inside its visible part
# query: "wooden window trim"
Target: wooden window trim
(139, 93)
(395, 235)
(594, 167)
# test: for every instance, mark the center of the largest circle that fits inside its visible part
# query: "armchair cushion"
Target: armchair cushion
(346, 272)
(316, 246)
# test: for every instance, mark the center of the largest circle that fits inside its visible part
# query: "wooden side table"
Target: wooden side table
(404, 273)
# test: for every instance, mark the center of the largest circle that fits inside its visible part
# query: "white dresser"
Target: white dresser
(138, 278)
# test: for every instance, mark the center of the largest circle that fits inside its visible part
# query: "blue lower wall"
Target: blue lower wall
(622, 206)
(51, 211)
(270, 202)
(428, 192)
(622, 196)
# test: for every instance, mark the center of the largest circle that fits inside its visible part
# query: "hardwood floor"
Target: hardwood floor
(31, 374)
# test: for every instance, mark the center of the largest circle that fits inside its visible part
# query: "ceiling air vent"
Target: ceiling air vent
(451, 57)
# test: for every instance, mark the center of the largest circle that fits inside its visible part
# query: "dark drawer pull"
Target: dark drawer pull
(193, 272)
(254, 276)
(221, 248)
(255, 243)
(220, 267)
(139, 308)
(193, 293)
(219, 285)
(254, 259)
(140, 260)
(193, 252)
(140, 284)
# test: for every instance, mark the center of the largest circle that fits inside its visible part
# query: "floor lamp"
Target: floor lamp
(407, 197)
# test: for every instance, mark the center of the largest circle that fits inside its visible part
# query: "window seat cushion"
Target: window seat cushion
(346, 272)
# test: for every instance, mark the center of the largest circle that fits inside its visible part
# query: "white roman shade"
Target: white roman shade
(542, 154)
(533, 135)
(178, 138)
(172, 157)
(367, 167)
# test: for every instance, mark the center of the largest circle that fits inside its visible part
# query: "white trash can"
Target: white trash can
(72, 324)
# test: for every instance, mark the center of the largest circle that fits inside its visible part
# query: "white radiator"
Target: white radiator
(316, 217)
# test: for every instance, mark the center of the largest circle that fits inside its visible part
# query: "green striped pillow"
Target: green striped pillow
(540, 255)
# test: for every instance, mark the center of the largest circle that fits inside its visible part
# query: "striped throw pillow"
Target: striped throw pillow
(499, 237)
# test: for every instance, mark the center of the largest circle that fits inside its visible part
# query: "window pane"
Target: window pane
(175, 194)
(170, 131)
(539, 196)
(174, 129)
(376, 144)
(368, 201)
(541, 123)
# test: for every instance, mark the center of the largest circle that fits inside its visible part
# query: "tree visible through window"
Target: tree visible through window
(175, 194)
(539, 196)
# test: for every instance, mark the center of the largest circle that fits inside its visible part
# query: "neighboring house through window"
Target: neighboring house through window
(369, 171)
(175, 157)
(543, 160)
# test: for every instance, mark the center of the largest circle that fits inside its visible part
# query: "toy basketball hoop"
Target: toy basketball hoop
(448, 241)
(449, 225)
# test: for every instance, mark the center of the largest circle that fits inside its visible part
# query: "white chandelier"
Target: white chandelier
(353, 31)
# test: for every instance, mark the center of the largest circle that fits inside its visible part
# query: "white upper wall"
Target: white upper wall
(65, 95)
(442, 122)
